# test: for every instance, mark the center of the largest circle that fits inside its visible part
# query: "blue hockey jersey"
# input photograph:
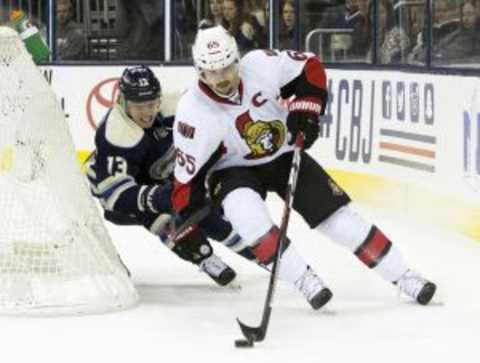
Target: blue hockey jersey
(129, 161)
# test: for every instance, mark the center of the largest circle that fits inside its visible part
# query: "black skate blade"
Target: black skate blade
(226, 277)
(253, 334)
(321, 299)
(426, 294)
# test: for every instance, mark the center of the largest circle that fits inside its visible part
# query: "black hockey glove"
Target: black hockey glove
(156, 198)
(304, 117)
(194, 247)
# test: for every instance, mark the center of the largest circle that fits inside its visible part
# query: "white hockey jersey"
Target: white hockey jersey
(252, 131)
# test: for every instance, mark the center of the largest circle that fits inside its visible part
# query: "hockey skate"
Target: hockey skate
(218, 270)
(313, 288)
(417, 287)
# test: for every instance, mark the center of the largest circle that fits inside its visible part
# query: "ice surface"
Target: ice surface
(184, 317)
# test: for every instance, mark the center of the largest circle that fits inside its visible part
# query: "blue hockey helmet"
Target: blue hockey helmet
(139, 84)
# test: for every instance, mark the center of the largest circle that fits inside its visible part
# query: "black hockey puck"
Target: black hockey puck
(243, 343)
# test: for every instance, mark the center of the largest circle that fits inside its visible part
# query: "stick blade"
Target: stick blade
(255, 334)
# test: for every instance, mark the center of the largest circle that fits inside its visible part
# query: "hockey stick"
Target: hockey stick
(178, 232)
(257, 334)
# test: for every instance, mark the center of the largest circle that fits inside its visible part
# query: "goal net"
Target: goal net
(56, 256)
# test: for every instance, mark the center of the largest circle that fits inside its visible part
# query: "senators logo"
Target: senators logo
(262, 137)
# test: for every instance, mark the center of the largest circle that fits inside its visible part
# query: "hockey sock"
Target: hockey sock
(366, 241)
(266, 246)
(247, 212)
(292, 265)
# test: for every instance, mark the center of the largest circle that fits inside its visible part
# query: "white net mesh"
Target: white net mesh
(55, 253)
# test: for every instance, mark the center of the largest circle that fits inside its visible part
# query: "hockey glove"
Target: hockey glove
(194, 247)
(156, 198)
(304, 117)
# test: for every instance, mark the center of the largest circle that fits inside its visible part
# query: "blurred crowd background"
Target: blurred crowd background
(415, 32)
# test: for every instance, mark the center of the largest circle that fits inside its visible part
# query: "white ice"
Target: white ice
(184, 317)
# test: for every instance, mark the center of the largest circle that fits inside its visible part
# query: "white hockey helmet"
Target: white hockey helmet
(214, 48)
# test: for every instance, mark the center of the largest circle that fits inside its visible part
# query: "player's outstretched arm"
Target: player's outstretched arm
(112, 181)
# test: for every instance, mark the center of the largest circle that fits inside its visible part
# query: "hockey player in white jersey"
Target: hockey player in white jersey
(131, 169)
(232, 128)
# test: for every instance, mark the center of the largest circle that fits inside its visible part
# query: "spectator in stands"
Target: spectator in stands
(242, 26)
(139, 25)
(394, 43)
(352, 38)
(257, 8)
(186, 25)
(463, 45)
(445, 21)
(214, 14)
(417, 21)
(71, 40)
(356, 19)
(443, 24)
(287, 25)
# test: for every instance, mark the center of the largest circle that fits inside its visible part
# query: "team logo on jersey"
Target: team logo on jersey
(263, 138)
(160, 133)
(162, 168)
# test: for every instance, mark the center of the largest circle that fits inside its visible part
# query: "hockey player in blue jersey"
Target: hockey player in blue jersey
(130, 172)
